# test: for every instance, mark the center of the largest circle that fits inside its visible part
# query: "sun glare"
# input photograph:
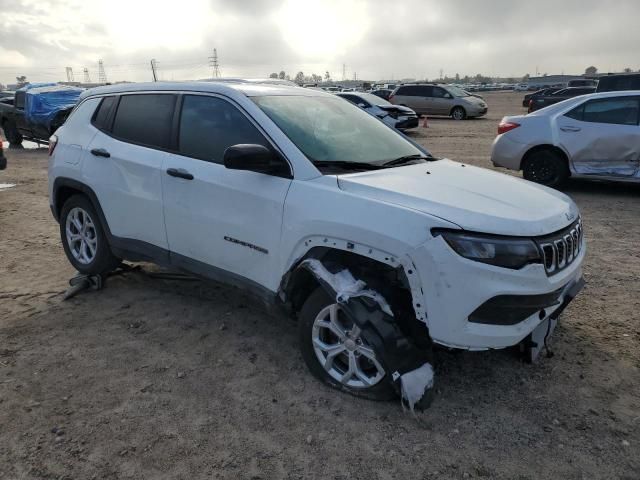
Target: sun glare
(324, 27)
(151, 23)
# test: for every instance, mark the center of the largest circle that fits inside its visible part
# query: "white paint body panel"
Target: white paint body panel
(386, 215)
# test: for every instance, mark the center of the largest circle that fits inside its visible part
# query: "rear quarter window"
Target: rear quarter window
(103, 114)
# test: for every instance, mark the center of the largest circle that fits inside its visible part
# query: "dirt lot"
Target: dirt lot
(170, 379)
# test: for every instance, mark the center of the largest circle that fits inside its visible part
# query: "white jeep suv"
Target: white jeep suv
(377, 247)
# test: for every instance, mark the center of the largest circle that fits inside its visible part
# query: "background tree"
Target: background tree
(327, 76)
(299, 78)
(282, 75)
(22, 80)
(627, 70)
(590, 70)
(273, 75)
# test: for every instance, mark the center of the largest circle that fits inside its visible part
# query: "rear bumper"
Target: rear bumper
(507, 153)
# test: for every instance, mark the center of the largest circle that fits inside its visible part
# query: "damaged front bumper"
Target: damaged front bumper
(475, 306)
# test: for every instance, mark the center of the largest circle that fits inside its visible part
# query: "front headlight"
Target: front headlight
(507, 252)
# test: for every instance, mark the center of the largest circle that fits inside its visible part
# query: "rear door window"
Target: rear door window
(208, 125)
(617, 111)
(145, 119)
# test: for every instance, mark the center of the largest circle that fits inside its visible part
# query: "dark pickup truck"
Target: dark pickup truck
(18, 125)
(536, 103)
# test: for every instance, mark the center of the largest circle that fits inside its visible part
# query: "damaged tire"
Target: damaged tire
(336, 353)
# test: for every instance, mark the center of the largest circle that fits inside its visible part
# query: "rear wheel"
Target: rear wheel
(458, 113)
(335, 352)
(83, 238)
(545, 167)
(13, 135)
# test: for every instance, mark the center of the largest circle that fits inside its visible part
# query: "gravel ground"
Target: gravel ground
(164, 379)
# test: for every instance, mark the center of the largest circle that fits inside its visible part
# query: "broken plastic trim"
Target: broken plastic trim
(409, 367)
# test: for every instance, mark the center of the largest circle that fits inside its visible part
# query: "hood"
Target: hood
(474, 100)
(475, 199)
(397, 108)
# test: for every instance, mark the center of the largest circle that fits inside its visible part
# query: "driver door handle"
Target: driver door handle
(179, 173)
(570, 129)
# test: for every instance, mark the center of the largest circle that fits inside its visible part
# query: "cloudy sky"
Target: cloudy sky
(377, 39)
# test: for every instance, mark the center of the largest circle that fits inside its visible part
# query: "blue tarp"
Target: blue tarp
(44, 101)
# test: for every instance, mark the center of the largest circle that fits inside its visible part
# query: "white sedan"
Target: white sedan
(590, 136)
(395, 116)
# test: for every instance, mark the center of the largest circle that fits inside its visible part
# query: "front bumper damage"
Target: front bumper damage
(456, 292)
(409, 366)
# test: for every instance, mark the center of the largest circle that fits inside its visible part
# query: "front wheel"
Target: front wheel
(83, 238)
(545, 167)
(458, 113)
(335, 352)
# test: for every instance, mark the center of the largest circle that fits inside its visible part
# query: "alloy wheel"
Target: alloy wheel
(81, 235)
(342, 352)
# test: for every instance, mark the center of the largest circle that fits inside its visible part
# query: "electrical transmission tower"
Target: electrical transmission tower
(87, 79)
(213, 63)
(344, 72)
(102, 76)
(70, 74)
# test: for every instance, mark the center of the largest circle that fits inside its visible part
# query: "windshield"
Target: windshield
(457, 92)
(328, 129)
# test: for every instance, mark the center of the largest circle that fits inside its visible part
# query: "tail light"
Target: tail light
(53, 141)
(391, 97)
(530, 106)
(505, 127)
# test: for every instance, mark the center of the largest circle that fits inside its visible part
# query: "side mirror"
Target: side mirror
(255, 158)
(361, 105)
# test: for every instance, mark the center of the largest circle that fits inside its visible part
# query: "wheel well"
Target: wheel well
(457, 106)
(542, 148)
(390, 282)
(63, 194)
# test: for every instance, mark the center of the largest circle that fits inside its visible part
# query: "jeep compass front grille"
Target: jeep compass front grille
(561, 249)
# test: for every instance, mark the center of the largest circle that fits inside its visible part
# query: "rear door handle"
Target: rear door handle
(100, 152)
(570, 129)
(179, 173)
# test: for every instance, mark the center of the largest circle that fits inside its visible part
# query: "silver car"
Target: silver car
(439, 99)
(590, 136)
(402, 118)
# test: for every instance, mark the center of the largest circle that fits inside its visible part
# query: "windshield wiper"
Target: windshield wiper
(407, 159)
(346, 165)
